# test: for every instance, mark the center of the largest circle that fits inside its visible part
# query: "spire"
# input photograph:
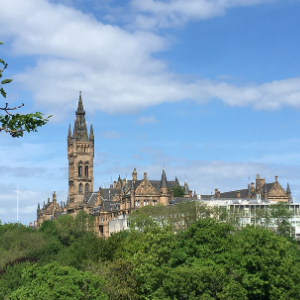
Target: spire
(126, 185)
(249, 190)
(288, 191)
(80, 131)
(69, 133)
(39, 208)
(91, 136)
(163, 182)
(186, 188)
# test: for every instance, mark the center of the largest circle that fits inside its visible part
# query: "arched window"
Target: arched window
(87, 188)
(86, 170)
(80, 170)
(80, 188)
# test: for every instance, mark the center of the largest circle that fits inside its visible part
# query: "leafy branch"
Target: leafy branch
(16, 124)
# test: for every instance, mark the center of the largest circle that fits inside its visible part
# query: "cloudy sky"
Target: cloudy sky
(210, 89)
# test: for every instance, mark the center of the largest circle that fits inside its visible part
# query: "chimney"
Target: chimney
(276, 178)
(115, 184)
(238, 194)
(134, 175)
(191, 194)
(48, 200)
(145, 176)
(172, 193)
(124, 182)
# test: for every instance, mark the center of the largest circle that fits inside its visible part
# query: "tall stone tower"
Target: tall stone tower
(80, 156)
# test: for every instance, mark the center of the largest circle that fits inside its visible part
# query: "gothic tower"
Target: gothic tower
(80, 156)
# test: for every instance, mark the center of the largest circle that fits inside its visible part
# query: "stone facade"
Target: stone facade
(120, 199)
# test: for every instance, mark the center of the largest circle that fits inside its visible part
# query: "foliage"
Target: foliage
(178, 191)
(55, 282)
(172, 252)
(16, 124)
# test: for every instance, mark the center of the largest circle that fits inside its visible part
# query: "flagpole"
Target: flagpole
(17, 205)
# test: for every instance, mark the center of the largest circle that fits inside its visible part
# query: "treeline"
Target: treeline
(206, 258)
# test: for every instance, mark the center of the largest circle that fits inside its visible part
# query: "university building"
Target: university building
(123, 196)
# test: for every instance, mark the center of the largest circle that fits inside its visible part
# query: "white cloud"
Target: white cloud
(157, 14)
(115, 68)
(143, 120)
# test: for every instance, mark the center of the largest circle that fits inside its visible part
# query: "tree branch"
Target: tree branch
(13, 108)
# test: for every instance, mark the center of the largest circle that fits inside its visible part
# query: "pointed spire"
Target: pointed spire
(80, 131)
(39, 208)
(69, 133)
(288, 191)
(91, 136)
(249, 190)
(163, 182)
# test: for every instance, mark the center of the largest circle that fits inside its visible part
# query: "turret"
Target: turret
(164, 191)
(186, 189)
(163, 183)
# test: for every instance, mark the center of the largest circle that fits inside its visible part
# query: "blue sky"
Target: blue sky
(210, 89)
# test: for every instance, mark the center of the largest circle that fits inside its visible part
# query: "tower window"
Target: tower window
(80, 188)
(86, 170)
(80, 171)
(87, 188)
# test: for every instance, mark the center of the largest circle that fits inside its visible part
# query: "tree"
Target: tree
(16, 124)
(55, 282)
(178, 191)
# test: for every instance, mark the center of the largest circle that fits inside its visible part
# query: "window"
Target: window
(87, 188)
(80, 188)
(86, 170)
(80, 170)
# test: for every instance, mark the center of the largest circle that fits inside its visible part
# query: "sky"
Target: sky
(207, 89)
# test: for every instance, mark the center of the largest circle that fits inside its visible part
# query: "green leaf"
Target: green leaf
(2, 92)
(6, 81)
(2, 61)
(1, 43)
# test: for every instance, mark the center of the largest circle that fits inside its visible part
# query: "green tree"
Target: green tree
(16, 124)
(55, 282)
(281, 216)
(178, 191)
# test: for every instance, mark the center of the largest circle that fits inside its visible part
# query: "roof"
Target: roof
(244, 192)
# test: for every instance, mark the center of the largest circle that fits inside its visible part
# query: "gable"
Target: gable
(146, 188)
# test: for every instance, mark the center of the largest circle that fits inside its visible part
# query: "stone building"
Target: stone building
(124, 196)
(272, 191)
(107, 204)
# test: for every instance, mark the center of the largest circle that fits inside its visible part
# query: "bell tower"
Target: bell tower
(81, 157)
